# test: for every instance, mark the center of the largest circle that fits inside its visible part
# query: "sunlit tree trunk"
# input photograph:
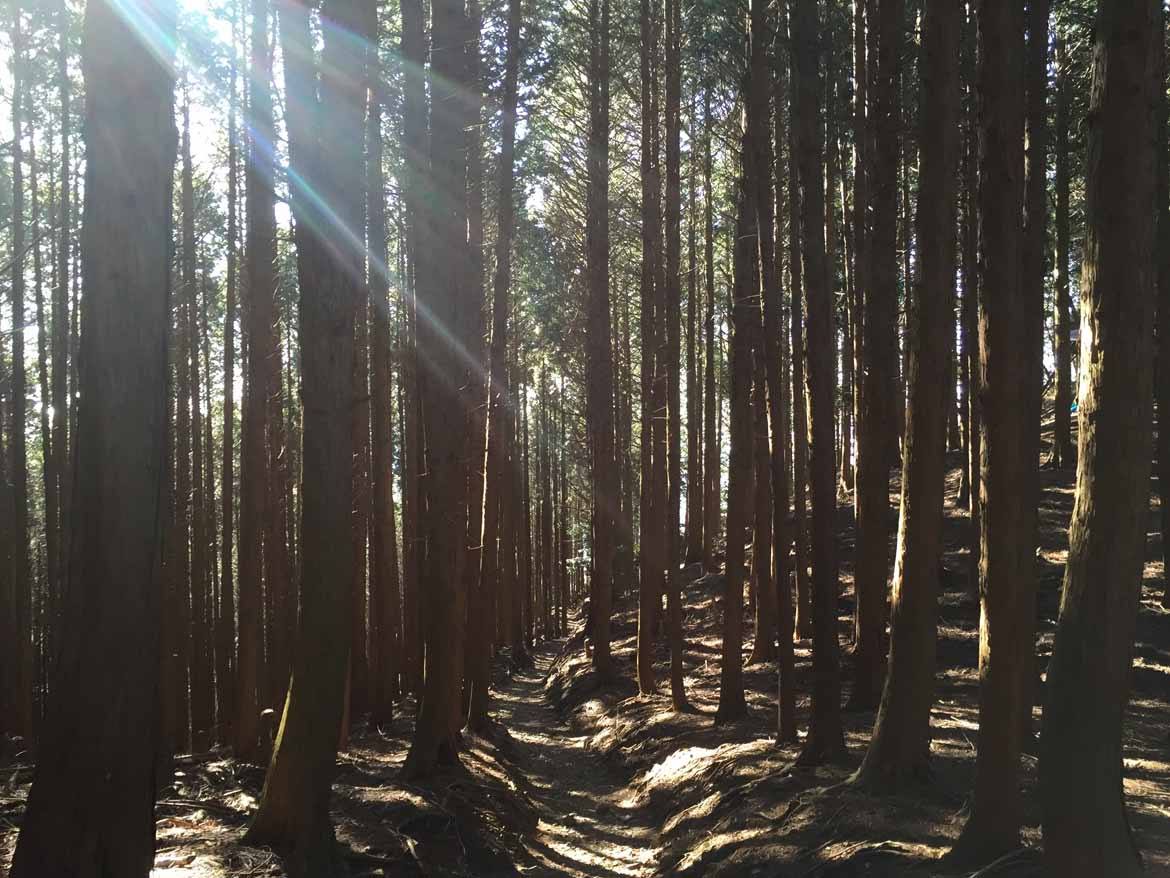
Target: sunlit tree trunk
(293, 816)
(900, 747)
(1088, 676)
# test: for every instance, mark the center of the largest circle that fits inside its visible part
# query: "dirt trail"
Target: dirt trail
(587, 825)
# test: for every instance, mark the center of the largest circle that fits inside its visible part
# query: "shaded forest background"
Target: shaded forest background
(654, 329)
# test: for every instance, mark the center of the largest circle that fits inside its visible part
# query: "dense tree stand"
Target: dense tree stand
(342, 431)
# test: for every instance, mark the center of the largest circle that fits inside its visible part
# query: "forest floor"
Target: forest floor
(581, 780)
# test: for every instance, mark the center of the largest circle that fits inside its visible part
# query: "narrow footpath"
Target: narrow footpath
(587, 826)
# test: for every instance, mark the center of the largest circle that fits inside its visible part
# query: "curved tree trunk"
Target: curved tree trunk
(900, 746)
(1088, 676)
(293, 816)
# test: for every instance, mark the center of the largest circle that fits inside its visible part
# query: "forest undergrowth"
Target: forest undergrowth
(578, 779)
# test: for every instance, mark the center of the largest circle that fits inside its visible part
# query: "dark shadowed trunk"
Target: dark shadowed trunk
(1007, 567)
(900, 746)
(91, 808)
(825, 740)
(1088, 676)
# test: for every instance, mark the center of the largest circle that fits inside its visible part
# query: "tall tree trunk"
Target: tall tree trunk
(713, 453)
(877, 429)
(764, 645)
(91, 808)
(357, 693)
(1162, 323)
(649, 554)
(477, 658)
(384, 600)
(414, 135)
(900, 747)
(861, 210)
(293, 817)
(1063, 453)
(1033, 264)
(673, 317)
(1088, 676)
(21, 576)
(182, 641)
(191, 496)
(60, 311)
(49, 477)
(278, 563)
(971, 281)
(260, 248)
(599, 364)
(759, 165)
(745, 318)
(784, 532)
(497, 560)
(693, 543)
(825, 737)
(225, 635)
(441, 374)
(1006, 571)
(799, 391)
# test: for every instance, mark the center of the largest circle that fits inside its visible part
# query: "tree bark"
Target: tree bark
(1006, 571)
(650, 540)
(450, 307)
(254, 476)
(800, 402)
(673, 317)
(385, 608)
(293, 816)
(877, 428)
(91, 808)
(745, 317)
(713, 454)
(900, 747)
(825, 740)
(1088, 676)
(1063, 452)
(225, 635)
(20, 574)
(414, 135)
